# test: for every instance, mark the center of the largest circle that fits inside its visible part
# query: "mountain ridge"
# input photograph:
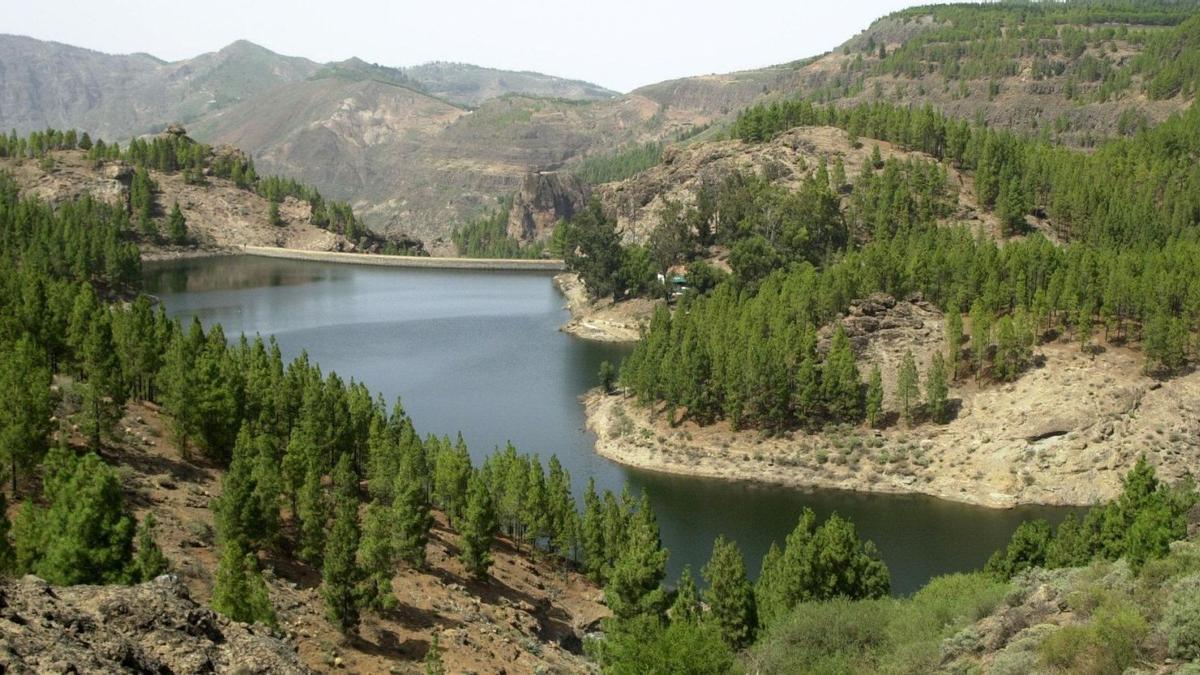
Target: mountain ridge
(1073, 72)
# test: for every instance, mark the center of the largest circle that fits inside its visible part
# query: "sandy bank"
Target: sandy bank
(1064, 434)
(602, 320)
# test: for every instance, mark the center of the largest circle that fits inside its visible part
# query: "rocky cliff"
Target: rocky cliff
(545, 198)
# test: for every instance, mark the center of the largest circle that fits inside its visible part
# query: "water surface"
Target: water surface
(480, 353)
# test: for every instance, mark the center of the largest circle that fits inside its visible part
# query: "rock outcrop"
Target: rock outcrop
(545, 198)
(148, 628)
(786, 161)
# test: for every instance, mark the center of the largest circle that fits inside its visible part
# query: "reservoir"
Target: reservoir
(480, 352)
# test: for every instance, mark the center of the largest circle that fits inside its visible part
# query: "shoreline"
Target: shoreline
(1003, 448)
(162, 255)
(406, 261)
(606, 413)
(602, 320)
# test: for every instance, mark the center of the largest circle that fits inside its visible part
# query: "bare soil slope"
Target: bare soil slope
(530, 616)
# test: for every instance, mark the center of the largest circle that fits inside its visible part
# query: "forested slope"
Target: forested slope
(182, 197)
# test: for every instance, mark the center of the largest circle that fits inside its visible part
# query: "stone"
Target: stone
(149, 627)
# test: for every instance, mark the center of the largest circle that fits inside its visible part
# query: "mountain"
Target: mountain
(471, 85)
(47, 84)
(382, 137)
(424, 148)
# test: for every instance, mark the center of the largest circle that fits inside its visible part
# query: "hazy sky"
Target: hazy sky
(620, 44)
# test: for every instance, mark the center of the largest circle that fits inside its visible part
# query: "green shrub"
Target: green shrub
(1107, 644)
(929, 625)
(644, 644)
(1183, 560)
(825, 637)
(1021, 654)
(1181, 623)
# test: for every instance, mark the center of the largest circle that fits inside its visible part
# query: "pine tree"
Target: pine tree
(954, 338)
(844, 565)
(377, 557)
(384, 458)
(535, 517)
(730, 597)
(1010, 351)
(177, 226)
(981, 336)
(875, 397)
(841, 381)
(452, 470)
(85, 534)
(411, 518)
(102, 388)
(937, 391)
(614, 527)
(908, 389)
(771, 591)
(313, 513)
(594, 553)
(511, 490)
(248, 508)
(634, 585)
(239, 591)
(839, 174)
(1010, 208)
(563, 517)
(818, 563)
(149, 561)
(1084, 328)
(141, 195)
(686, 606)
(25, 415)
(340, 574)
(273, 215)
(479, 526)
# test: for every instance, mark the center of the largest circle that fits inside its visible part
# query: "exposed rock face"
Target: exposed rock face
(883, 329)
(149, 628)
(545, 198)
